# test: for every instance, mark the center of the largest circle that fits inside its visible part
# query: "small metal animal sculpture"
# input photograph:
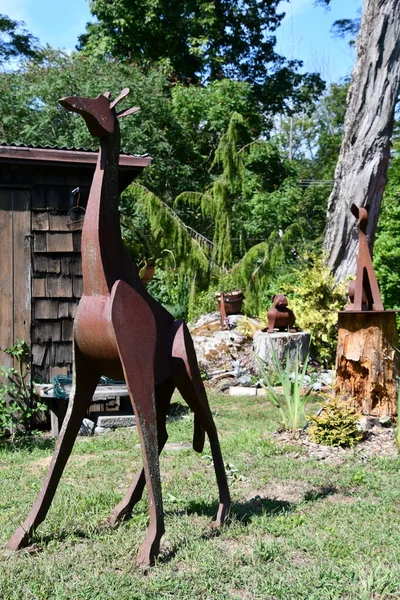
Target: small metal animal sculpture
(279, 315)
(364, 292)
(121, 331)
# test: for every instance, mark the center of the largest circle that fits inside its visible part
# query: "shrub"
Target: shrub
(316, 299)
(18, 402)
(336, 425)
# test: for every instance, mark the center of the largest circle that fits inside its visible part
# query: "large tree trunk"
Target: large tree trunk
(360, 175)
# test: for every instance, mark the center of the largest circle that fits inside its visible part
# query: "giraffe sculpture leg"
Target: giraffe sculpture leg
(137, 360)
(187, 378)
(85, 380)
(163, 394)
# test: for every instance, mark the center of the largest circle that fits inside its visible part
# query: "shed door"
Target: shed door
(15, 269)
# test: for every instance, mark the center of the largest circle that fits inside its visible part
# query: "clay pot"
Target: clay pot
(147, 274)
(233, 302)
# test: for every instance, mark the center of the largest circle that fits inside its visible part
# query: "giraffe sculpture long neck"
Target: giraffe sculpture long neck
(102, 246)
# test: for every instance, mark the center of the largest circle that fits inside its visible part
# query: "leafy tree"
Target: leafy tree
(31, 114)
(202, 41)
(387, 244)
(15, 40)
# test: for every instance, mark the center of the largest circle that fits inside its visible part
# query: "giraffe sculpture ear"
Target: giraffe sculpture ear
(107, 94)
(127, 111)
(124, 93)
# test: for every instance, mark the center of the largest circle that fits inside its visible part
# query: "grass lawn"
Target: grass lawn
(298, 529)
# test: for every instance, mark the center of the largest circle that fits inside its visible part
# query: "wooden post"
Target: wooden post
(367, 362)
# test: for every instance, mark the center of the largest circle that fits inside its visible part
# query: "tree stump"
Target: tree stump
(296, 343)
(367, 363)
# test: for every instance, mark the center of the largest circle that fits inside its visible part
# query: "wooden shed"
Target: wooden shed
(40, 261)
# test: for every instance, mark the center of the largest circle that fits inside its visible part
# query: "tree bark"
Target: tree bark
(360, 175)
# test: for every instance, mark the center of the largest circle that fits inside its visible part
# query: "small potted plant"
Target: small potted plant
(146, 252)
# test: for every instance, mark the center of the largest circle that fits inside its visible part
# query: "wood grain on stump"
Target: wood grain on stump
(367, 363)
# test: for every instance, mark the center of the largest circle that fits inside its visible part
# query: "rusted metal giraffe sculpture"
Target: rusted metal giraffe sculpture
(364, 290)
(121, 331)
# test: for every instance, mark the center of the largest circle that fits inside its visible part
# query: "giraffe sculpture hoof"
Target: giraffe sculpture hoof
(20, 539)
(148, 552)
(221, 514)
(118, 515)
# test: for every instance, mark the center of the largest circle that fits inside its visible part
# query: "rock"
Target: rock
(242, 391)
(101, 430)
(367, 423)
(385, 421)
(87, 427)
(115, 421)
(223, 351)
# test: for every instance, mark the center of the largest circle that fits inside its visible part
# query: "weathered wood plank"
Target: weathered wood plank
(43, 263)
(67, 326)
(77, 240)
(65, 265)
(58, 287)
(22, 264)
(60, 242)
(58, 222)
(38, 354)
(75, 267)
(39, 242)
(39, 287)
(46, 331)
(6, 275)
(66, 309)
(38, 197)
(40, 221)
(45, 309)
(63, 353)
(77, 287)
(58, 370)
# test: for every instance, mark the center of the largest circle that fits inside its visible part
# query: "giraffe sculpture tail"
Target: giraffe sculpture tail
(186, 376)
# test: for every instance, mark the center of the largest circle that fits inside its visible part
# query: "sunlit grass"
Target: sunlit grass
(298, 528)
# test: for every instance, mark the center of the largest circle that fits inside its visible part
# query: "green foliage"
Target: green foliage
(387, 242)
(31, 114)
(336, 425)
(291, 403)
(203, 40)
(262, 266)
(315, 301)
(18, 402)
(15, 41)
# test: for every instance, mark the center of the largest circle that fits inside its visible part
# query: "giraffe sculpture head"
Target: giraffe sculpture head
(99, 113)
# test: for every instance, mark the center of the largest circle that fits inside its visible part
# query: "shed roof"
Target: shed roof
(69, 156)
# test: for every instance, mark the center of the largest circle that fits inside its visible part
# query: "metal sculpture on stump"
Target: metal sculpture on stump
(121, 331)
(367, 363)
(364, 292)
(279, 315)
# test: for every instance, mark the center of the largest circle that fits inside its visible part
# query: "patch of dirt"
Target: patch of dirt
(39, 465)
(289, 491)
(379, 441)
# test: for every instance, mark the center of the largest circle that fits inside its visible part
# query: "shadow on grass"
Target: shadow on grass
(320, 493)
(29, 443)
(239, 511)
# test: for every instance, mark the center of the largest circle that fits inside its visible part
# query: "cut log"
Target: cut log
(296, 343)
(367, 362)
